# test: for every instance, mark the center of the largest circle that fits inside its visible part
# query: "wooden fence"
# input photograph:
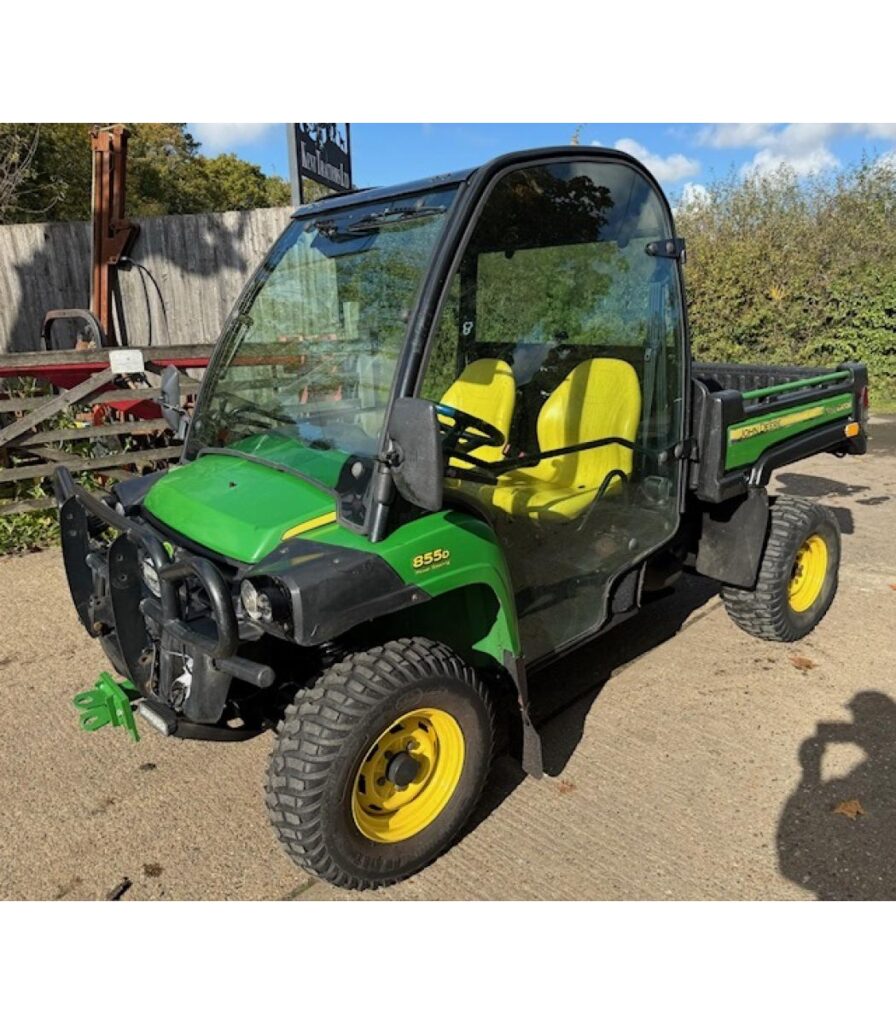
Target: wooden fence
(200, 262)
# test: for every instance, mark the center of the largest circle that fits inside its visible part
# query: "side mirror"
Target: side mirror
(172, 412)
(418, 465)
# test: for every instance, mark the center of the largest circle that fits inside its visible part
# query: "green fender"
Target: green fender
(444, 552)
(452, 552)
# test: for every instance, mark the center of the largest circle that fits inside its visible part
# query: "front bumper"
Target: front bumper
(157, 638)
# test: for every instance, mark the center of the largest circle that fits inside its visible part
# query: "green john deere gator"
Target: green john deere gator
(450, 431)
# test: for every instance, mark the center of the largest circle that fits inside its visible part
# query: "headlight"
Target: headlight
(249, 597)
(150, 577)
(263, 601)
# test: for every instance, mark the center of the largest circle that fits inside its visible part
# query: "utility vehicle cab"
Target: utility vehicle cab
(449, 432)
(552, 363)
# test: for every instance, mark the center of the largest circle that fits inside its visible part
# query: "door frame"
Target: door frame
(468, 205)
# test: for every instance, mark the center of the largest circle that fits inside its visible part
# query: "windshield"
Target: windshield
(304, 369)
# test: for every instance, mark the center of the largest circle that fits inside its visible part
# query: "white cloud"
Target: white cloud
(221, 137)
(734, 136)
(724, 136)
(694, 194)
(802, 147)
(767, 161)
(875, 131)
(805, 148)
(666, 168)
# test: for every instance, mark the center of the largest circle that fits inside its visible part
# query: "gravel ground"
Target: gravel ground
(686, 760)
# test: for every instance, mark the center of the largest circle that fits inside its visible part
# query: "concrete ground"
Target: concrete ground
(686, 760)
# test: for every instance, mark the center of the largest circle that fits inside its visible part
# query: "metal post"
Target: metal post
(295, 171)
(113, 233)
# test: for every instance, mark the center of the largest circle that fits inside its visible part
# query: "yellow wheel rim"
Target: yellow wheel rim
(809, 570)
(408, 776)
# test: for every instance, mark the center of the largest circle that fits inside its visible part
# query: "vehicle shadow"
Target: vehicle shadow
(808, 485)
(836, 837)
(805, 485)
(562, 695)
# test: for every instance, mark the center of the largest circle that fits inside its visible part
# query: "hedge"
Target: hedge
(803, 272)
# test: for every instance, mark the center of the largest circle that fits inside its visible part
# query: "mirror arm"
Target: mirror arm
(169, 402)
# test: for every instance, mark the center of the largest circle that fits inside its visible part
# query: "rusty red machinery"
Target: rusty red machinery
(113, 233)
(68, 361)
(101, 326)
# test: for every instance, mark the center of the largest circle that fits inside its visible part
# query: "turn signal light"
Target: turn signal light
(851, 429)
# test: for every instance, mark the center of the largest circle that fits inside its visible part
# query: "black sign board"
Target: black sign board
(321, 152)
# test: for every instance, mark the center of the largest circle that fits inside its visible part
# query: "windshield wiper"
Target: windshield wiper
(377, 221)
(397, 215)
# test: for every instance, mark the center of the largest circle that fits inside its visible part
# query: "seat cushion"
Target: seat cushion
(520, 494)
(599, 398)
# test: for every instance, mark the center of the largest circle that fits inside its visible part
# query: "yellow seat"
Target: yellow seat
(599, 398)
(486, 389)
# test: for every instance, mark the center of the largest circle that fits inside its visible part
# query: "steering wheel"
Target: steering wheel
(466, 433)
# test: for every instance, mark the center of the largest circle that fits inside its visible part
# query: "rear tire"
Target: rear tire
(332, 806)
(797, 577)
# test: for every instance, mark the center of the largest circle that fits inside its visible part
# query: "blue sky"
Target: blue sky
(683, 156)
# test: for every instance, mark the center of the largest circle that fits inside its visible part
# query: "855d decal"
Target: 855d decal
(434, 559)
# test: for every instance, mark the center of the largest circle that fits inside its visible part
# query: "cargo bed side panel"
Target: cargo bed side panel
(749, 438)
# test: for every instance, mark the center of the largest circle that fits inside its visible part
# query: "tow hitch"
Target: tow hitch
(108, 703)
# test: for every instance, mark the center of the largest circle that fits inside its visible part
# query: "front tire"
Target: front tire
(797, 577)
(376, 769)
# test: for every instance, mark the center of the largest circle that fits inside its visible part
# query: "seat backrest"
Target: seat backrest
(599, 398)
(486, 389)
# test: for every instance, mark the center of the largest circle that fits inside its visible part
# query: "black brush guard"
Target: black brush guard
(120, 606)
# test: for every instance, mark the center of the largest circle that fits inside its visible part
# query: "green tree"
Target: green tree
(166, 174)
(16, 156)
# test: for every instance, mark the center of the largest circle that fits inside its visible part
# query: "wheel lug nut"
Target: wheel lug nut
(381, 781)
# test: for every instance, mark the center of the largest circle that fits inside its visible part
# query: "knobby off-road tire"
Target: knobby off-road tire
(797, 575)
(332, 754)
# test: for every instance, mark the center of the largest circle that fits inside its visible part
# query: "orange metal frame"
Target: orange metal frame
(113, 233)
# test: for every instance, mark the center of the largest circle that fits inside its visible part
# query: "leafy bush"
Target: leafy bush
(28, 531)
(783, 271)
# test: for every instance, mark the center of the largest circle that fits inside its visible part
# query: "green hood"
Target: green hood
(242, 509)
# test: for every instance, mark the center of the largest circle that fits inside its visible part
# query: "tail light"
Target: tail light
(863, 405)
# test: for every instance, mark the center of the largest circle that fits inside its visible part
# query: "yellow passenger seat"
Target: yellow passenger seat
(486, 389)
(600, 398)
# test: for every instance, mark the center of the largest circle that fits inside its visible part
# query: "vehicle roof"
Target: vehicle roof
(518, 156)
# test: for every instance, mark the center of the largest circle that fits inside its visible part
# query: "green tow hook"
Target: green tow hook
(108, 703)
